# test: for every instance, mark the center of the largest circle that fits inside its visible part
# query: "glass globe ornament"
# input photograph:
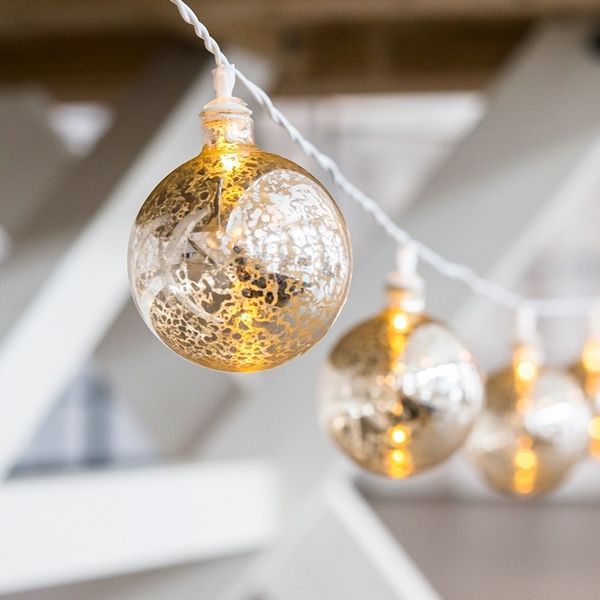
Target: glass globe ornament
(239, 260)
(533, 430)
(587, 373)
(399, 392)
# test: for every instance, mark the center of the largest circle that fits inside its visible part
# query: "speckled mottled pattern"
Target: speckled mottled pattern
(422, 383)
(551, 423)
(239, 259)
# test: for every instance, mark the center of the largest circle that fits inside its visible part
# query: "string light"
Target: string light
(587, 372)
(400, 392)
(555, 307)
(535, 425)
(239, 260)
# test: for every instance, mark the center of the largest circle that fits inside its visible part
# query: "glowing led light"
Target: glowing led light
(399, 456)
(594, 428)
(591, 357)
(390, 380)
(399, 434)
(237, 233)
(524, 481)
(594, 448)
(398, 367)
(526, 370)
(587, 372)
(398, 409)
(525, 459)
(400, 321)
(230, 161)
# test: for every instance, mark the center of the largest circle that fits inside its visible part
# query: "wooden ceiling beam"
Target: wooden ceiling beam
(92, 49)
(331, 58)
(99, 67)
(402, 56)
(31, 17)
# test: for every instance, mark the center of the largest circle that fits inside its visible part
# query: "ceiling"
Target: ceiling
(92, 49)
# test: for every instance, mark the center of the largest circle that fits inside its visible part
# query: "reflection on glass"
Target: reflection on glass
(399, 392)
(532, 431)
(239, 260)
(587, 372)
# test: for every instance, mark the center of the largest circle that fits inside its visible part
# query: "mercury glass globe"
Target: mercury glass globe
(533, 430)
(239, 260)
(587, 373)
(399, 392)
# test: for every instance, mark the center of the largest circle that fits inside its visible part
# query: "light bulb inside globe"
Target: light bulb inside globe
(587, 373)
(239, 260)
(399, 392)
(533, 429)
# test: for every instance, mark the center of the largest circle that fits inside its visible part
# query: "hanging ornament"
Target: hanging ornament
(534, 428)
(587, 372)
(239, 260)
(400, 392)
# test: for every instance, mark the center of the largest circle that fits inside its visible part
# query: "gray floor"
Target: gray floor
(488, 551)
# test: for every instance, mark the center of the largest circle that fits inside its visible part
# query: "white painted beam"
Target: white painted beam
(335, 548)
(34, 158)
(80, 296)
(176, 400)
(513, 182)
(65, 529)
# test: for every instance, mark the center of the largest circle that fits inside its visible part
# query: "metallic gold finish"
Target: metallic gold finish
(532, 431)
(239, 260)
(399, 392)
(587, 373)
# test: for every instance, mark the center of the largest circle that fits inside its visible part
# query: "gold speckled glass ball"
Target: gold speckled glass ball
(587, 373)
(239, 260)
(399, 392)
(529, 436)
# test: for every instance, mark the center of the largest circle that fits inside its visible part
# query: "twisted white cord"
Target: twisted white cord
(512, 300)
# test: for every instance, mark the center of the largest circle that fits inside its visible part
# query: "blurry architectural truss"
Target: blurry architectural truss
(240, 464)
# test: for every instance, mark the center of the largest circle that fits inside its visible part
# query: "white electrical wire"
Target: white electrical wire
(555, 307)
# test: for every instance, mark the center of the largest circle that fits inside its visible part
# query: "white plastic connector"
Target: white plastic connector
(406, 276)
(224, 82)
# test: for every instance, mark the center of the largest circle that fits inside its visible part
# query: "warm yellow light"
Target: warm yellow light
(399, 434)
(399, 456)
(591, 357)
(594, 448)
(230, 161)
(237, 232)
(524, 481)
(526, 370)
(594, 428)
(233, 231)
(398, 367)
(523, 405)
(525, 459)
(400, 322)
(398, 409)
